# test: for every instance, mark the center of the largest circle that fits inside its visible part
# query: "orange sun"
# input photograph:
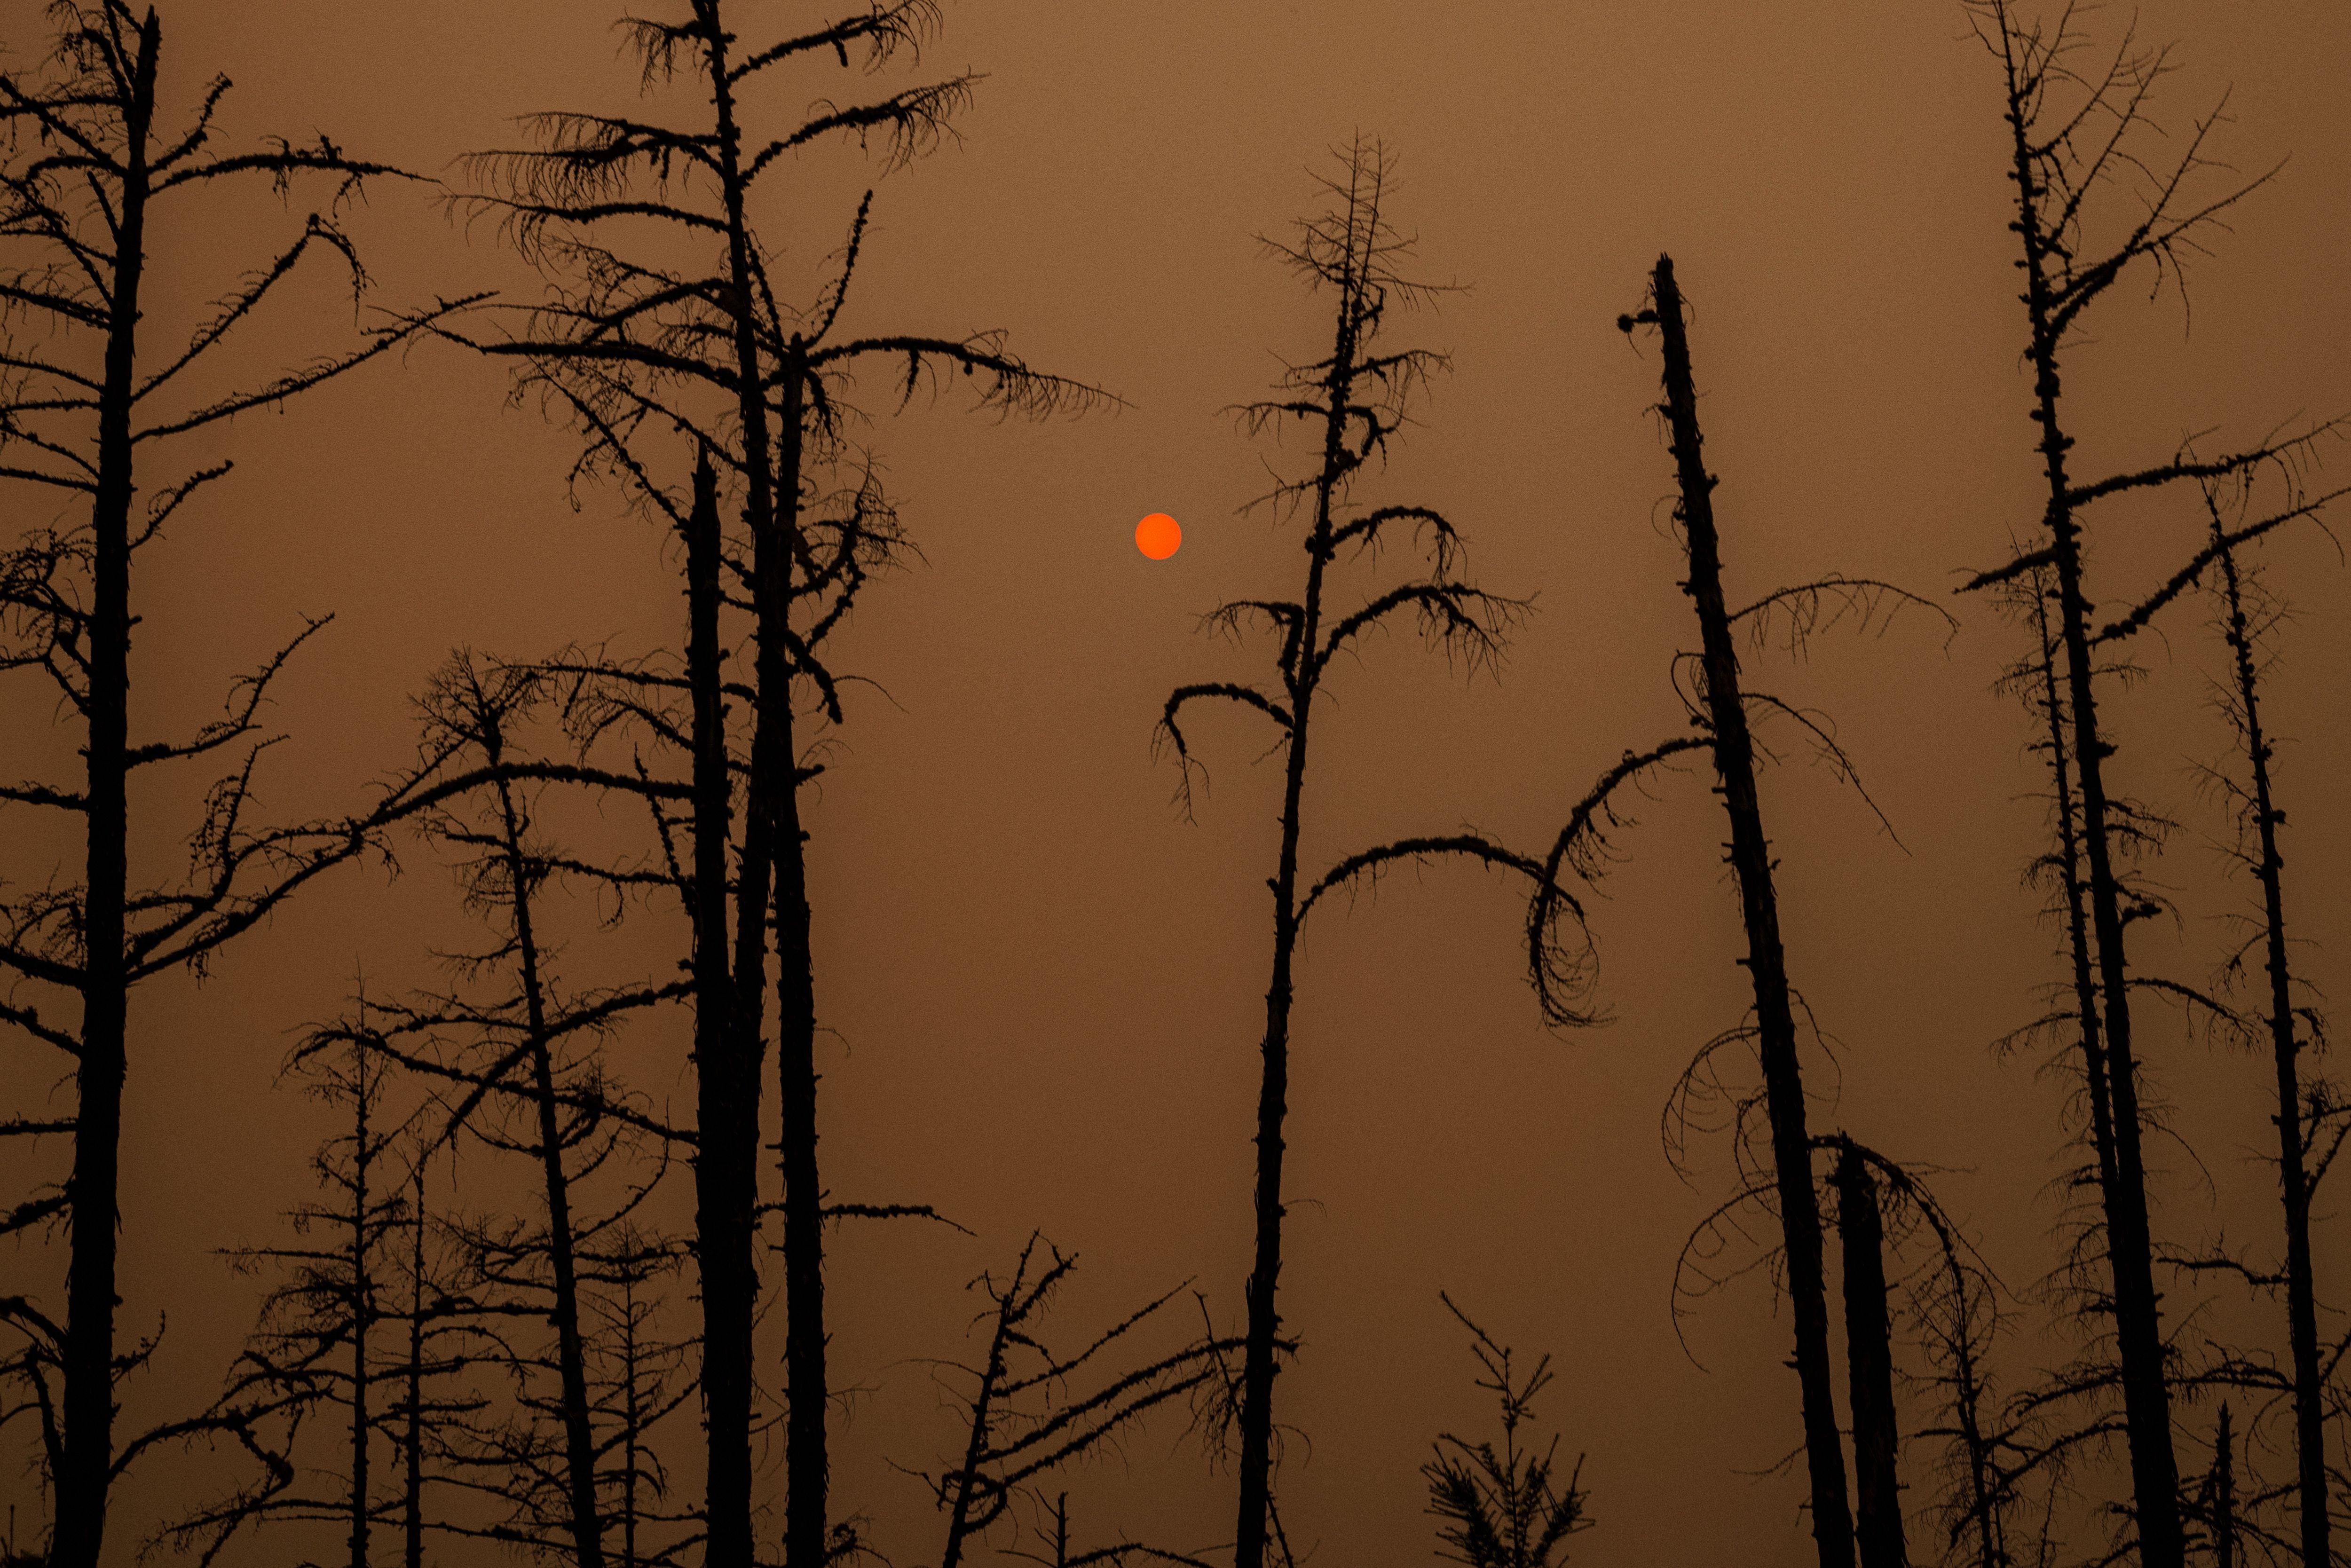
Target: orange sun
(1158, 536)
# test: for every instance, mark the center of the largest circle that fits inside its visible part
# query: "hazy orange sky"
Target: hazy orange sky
(1046, 988)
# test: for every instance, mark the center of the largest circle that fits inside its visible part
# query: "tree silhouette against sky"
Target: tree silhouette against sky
(89, 407)
(1352, 401)
(667, 335)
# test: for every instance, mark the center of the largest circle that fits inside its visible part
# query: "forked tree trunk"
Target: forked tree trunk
(92, 1191)
(1766, 961)
(722, 1218)
(728, 1155)
(2293, 1181)
(1869, 1364)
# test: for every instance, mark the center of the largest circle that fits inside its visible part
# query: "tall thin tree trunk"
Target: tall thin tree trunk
(571, 1353)
(2224, 1494)
(1869, 1361)
(2301, 1314)
(2077, 934)
(1258, 1365)
(2147, 1397)
(1751, 858)
(633, 1410)
(413, 1491)
(806, 1466)
(728, 1176)
(364, 1315)
(93, 1190)
(1991, 1544)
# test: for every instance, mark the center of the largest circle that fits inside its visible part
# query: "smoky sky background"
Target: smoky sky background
(1044, 990)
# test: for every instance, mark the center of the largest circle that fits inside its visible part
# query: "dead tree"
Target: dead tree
(517, 1060)
(1352, 401)
(2072, 131)
(638, 1390)
(1505, 1509)
(635, 347)
(1719, 708)
(2297, 1115)
(360, 1327)
(1955, 1318)
(1869, 1364)
(1028, 1411)
(89, 406)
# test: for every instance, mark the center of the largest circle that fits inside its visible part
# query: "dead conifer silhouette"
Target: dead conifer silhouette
(634, 347)
(515, 1059)
(1028, 1411)
(1503, 1509)
(89, 404)
(2074, 133)
(1719, 708)
(2304, 1109)
(1353, 400)
(362, 1325)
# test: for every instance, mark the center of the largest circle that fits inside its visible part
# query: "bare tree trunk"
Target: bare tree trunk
(806, 1466)
(413, 1491)
(93, 1189)
(364, 1315)
(1869, 1359)
(1751, 857)
(2069, 868)
(2224, 1495)
(2301, 1315)
(2146, 1399)
(728, 1165)
(1258, 1367)
(571, 1354)
(632, 1411)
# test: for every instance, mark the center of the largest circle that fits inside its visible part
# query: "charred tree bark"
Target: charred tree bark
(2147, 1398)
(571, 1353)
(806, 1466)
(93, 1190)
(412, 1439)
(1869, 1358)
(363, 1318)
(2294, 1180)
(1766, 961)
(2095, 1073)
(730, 1095)
(1257, 1362)
(2224, 1495)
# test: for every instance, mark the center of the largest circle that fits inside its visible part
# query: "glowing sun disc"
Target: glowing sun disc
(1158, 536)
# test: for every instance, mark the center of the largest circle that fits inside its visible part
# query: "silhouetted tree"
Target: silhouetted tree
(1505, 1509)
(87, 408)
(519, 1061)
(637, 1389)
(2304, 1110)
(719, 349)
(361, 1327)
(2070, 133)
(1719, 708)
(1353, 400)
(1955, 1313)
(1029, 1410)
(1869, 1364)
